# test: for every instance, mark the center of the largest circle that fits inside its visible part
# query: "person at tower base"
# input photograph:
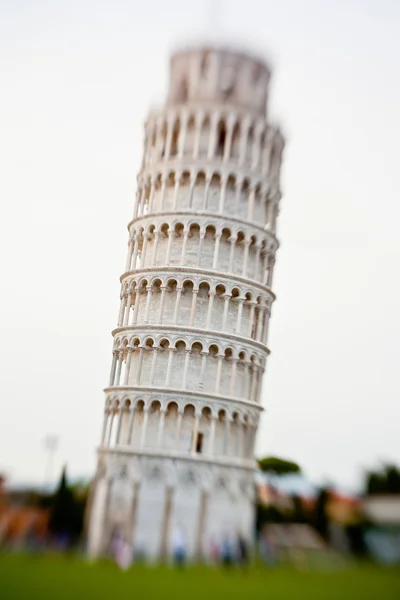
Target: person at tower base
(179, 547)
(242, 551)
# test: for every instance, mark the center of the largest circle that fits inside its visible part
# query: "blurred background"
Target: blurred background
(77, 80)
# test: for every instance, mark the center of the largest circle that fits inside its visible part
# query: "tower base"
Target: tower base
(147, 499)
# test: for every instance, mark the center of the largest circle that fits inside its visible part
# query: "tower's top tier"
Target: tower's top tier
(219, 75)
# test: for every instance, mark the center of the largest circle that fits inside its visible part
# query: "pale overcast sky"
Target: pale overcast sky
(77, 78)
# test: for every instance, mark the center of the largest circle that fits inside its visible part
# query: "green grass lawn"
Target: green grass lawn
(61, 577)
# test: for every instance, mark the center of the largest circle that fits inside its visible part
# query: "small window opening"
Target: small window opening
(199, 443)
(221, 140)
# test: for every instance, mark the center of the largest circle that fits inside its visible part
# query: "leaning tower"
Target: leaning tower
(190, 348)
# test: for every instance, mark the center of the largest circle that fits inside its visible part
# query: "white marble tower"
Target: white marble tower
(183, 401)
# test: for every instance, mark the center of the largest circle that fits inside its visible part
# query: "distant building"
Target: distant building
(20, 522)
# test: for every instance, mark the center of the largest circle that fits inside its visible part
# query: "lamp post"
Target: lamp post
(50, 444)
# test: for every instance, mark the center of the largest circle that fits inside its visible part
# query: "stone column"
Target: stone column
(121, 412)
(142, 199)
(135, 252)
(264, 334)
(144, 426)
(259, 323)
(163, 188)
(210, 308)
(199, 252)
(128, 307)
(120, 359)
(251, 202)
(161, 428)
(113, 367)
(243, 140)
(121, 311)
(252, 305)
(177, 303)
(239, 185)
(128, 366)
(270, 271)
(137, 202)
(136, 307)
(169, 246)
(144, 248)
(218, 376)
(227, 434)
(226, 297)
(222, 195)
(245, 257)
(206, 191)
(153, 364)
(254, 379)
(203, 368)
(112, 414)
(198, 127)
(233, 377)
(228, 141)
(156, 241)
(169, 366)
(240, 301)
(217, 239)
(104, 430)
(162, 303)
(213, 136)
(182, 137)
(191, 189)
(257, 250)
(129, 257)
(184, 245)
(131, 424)
(212, 435)
(178, 429)
(232, 241)
(257, 145)
(140, 365)
(148, 302)
(201, 524)
(185, 368)
(152, 192)
(170, 128)
(176, 190)
(193, 307)
(195, 431)
(239, 450)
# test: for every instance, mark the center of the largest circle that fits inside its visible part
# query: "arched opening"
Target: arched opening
(202, 305)
(183, 90)
(190, 137)
(214, 193)
(204, 138)
(175, 138)
(185, 305)
(235, 150)
(192, 246)
(199, 191)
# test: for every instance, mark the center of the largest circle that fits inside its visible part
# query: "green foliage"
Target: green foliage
(266, 515)
(386, 481)
(278, 466)
(63, 578)
(321, 520)
(67, 510)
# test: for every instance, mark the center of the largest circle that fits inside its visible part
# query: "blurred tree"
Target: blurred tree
(321, 519)
(386, 481)
(67, 511)
(278, 466)
(299, 515)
